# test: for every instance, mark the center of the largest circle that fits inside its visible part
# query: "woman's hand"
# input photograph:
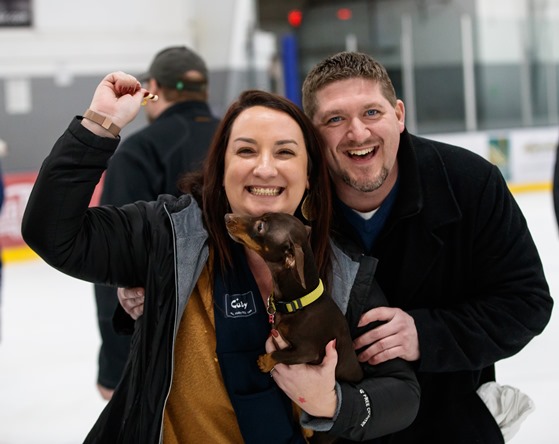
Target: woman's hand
(132, 301)
(312, 387)
(118, 97)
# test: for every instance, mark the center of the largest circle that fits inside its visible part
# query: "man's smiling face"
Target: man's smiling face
(361, 132)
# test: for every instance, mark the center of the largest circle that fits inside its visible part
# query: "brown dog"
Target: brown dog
(306, 317)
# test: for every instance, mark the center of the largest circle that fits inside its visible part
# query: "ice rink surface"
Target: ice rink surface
(48, 351)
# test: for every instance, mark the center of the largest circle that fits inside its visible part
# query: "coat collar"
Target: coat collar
(190, 107)
(424, 184)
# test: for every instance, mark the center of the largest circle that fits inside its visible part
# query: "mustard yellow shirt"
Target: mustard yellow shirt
(198, 409)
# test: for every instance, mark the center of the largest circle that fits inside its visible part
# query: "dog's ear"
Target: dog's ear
(309, 229)
(300, 264)
(296, 262)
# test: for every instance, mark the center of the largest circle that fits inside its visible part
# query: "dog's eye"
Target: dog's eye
(260, 227)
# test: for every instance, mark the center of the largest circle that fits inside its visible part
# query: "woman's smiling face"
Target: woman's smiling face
(265, 163)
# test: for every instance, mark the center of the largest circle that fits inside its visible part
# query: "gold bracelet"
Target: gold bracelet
(105, 122)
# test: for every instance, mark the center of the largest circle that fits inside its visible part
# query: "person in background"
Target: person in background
(445, 239)
(192, 375)
(149, 163)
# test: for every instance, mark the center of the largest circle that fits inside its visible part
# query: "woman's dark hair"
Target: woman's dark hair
(207, 185)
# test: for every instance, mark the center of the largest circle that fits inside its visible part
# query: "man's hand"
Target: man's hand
(397, 338)
(311, 387)
(132, 301)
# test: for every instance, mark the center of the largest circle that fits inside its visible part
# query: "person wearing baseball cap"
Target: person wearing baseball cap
(149, 163)
(176, 74)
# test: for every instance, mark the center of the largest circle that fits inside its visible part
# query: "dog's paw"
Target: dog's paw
(266, 363)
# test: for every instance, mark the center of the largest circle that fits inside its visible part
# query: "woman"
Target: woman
(192, 374)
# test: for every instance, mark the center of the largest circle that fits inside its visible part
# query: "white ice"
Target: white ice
(48, 351)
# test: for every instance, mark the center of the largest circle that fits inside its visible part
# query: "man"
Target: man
(452, 250)
(149, 162)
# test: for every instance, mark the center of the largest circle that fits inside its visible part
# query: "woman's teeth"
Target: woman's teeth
(258, 191)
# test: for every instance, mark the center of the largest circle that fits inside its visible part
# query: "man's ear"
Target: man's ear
(153, 86)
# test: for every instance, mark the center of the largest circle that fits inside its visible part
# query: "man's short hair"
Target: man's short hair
(342, 66)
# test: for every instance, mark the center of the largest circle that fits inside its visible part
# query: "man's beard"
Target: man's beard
(366, 186)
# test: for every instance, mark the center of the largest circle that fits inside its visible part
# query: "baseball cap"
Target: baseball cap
(170, 66)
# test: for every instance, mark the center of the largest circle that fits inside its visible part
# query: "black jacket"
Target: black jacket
(149, 162)
(145, 165)
(456, 254)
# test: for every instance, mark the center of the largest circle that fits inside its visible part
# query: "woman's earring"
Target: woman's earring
(306, 209)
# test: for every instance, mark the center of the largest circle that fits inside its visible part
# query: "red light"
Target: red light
(344, 13)
(295, 17)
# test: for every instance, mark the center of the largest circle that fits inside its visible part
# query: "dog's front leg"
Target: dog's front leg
(289, 356)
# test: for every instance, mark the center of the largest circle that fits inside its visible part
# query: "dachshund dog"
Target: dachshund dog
(299, 308)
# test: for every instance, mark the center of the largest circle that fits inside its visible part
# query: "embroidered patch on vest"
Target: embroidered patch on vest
(239, 305)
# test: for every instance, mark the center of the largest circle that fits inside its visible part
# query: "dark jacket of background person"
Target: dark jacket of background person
(456, 254)
(146, 232)
(147, 164)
